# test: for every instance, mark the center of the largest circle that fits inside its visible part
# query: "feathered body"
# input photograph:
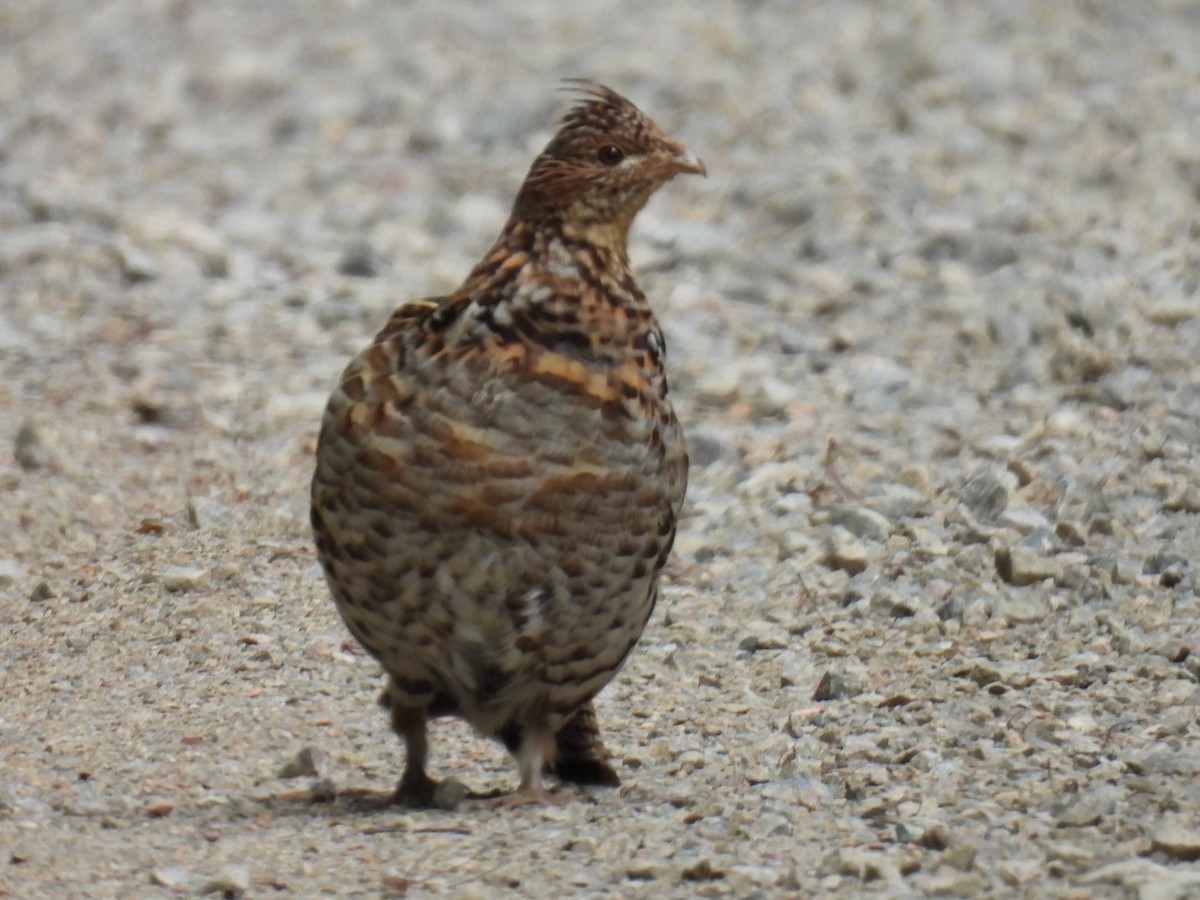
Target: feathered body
(499, 473)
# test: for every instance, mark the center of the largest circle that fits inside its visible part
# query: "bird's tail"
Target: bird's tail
(581, 755)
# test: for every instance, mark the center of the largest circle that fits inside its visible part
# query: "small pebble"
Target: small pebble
(986, 495)
(449, 793)
(10, 572)
(765, 638)
(1022, 566)
(845, 552)
(916, 478)
(831, 687)
(1178, 843)
(701, 870)
(233, 881)
(359, 261)
(305, 764)
(322, 790)
(863, 523)
(642, 870)
(34, 447)
(178, 579)
(170, 876)
(960, 856)
(1024, 520)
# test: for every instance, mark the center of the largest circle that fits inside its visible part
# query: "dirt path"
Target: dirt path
(931, 624)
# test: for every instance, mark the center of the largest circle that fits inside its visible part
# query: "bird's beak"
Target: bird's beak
(685, 162)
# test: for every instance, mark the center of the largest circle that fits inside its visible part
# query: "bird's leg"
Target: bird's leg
(530, 761)
(535, 751)
(416, 787)
(581, 755)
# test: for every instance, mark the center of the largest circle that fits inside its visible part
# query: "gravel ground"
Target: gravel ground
(931, 623)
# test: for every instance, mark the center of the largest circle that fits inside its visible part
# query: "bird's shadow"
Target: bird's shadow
(326, 801)
(330, 802)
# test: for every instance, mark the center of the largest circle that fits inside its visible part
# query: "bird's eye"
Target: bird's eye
(610, 154)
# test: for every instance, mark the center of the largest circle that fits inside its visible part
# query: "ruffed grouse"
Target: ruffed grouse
(499, 473)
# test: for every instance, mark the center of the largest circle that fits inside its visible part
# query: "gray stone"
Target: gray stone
(34, 446)
(844, 551)
(1071, 533)
(960, 856)
(832, 686)
(1087, 810)
(709, 445)
(449, 793)
(1162, 561)
(1024, 520)
(305, 764)
(896, 501)
(1022, 607)
(135, 263)
(864, 523)
(10, 572)
(892, 603)
(1022, 566)
(178, 579)
(1171, 311)
(986, 495)
(208, 514)
(916, 477)
(720, 385)
(1177, 843)
(232, 881)
(765, 637)
(359, 260)
(176, 877)
(322, 790)
(1041, 540)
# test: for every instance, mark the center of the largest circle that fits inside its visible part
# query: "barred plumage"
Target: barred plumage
(499, 473)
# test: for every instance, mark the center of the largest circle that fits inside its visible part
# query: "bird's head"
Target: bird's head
(599, 170)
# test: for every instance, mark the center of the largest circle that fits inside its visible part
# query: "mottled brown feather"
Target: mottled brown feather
(499, 473)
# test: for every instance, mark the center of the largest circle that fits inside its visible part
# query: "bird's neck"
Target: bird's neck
(565, 243)
(560, 252)
(565, 287)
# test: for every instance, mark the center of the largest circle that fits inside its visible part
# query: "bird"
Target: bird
(499, 473)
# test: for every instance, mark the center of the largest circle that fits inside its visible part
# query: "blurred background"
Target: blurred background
(933, 334)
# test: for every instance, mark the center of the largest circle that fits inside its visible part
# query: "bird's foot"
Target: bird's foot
(527, 796)
(416, 790)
